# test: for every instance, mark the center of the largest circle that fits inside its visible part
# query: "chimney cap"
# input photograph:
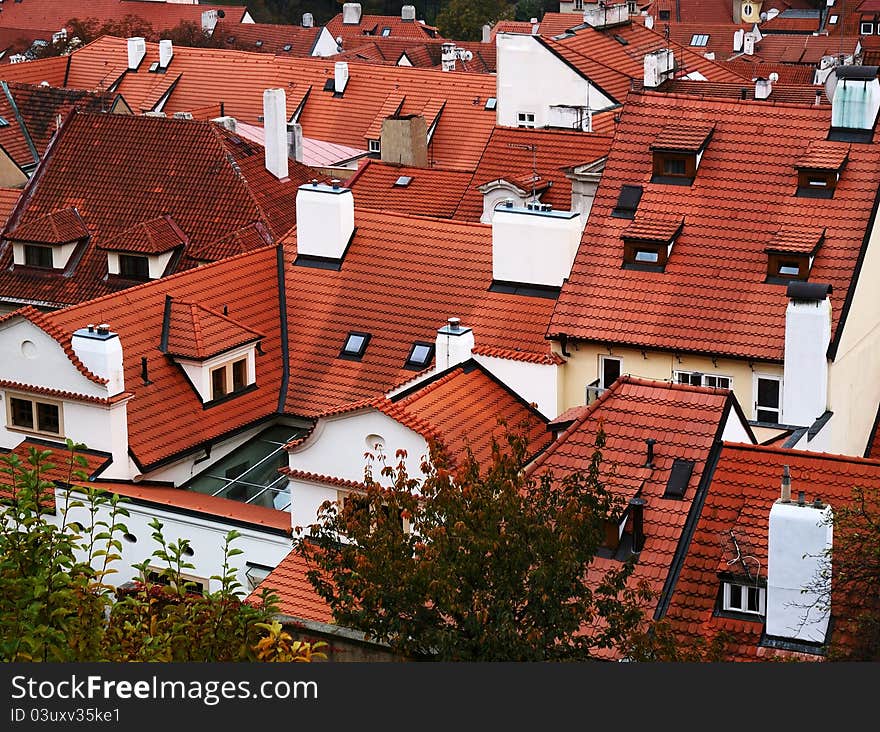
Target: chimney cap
(802, 498)
(453, 323)
(856, 72)
(808, 291)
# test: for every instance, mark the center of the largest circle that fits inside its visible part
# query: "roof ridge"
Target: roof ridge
(807, 454)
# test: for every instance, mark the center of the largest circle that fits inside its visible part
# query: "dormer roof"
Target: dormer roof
(796, 240)
(61, 226)
(683, 138)
(824, 155)
(156, 236)
(653, 229)
(198, 333)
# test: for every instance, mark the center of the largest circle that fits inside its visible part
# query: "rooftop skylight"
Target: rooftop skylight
(355, 345)
(403, 181)
(700, 39)
(420, 356)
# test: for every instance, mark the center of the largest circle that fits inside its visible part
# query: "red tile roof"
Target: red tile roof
(430, 192)
(686, 421)
(803, 94)
(296, 596)
(796, 239)
(422, 54)
(13, 135)
(58, 467)
(788, 73)
(744, 486)
(803, 49)
(199, 333)
(552, 24)
(252, 236)
(61, 226)
(51, 70)
(720, 35)
(237, 79)
(507, 155)
(242, 284)
(8, 198)
(659, 228)
(373, 25)
(683, 137)
(824, 155)
(155, 236)
(740, 199)
(329, 304)
(54, 14)
(120, 171)
(513, 26)
(293, 40)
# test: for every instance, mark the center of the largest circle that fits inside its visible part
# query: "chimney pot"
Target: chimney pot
(91, 327)
(650, 442)
(454, 323)
(817, 502)
(786, 485)
(801, 498)
(637, 510)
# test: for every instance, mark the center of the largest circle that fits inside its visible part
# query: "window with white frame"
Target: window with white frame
(866, 29)
(525, 119)
(375, 146)
(768, 398)
(34, 415)
(610, 368)
(744, 598)
(700, 39)
(229, 378)
(697, 378)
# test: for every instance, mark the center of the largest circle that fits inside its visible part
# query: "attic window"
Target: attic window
(386, 32)
(743, 598)
(4, 122)
(287, 47)
(330, 85)
(403, 181)
(677, 152)
(679, 477)
(420, 356)
(663, 15)
(790, 254)
(134, 267)
(355, 345)
(154, 67)
(647, 244)
(700, 39)
(866, 29)
(816, 183)
(36, 256)
(621, 40)
(258, 44)
(627, 202)
(833, 20)
(375, 146)
(491, 103)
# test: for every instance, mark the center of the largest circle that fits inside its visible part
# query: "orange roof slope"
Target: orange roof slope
(296, 596)
(8, 198)
(803, 49)
(423, 54)
(439, 269)
(686, 421)
(166, 416)
(293, 40)
(13, 135)
(744, 486)
(436, 409)
(428, 192)
(51, 70)
(56, 227)
(120, 171)
(740, 199)
(375, 25)
(508, 156)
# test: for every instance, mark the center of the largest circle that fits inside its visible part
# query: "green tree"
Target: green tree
(493, 565)
(56, 603)
(463, 20)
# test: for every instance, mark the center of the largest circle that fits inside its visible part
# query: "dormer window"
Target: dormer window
(819, 169)
(146, 251)
(791, 252)
(134, 267)
(420, 356)
(375, 146)
(37, 256)
(50, 241)
(355, 346)
(647, 243)
(740, 598)
(677, 152)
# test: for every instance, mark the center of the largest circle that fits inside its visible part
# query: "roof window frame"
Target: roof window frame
(351, 354)
(414, 365)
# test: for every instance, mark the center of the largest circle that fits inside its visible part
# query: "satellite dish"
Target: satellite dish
(831, 84)
(774, 77)
(468, 55)
(763, 17)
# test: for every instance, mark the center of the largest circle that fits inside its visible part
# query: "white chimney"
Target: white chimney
(324, 220)
(455, 344)
(226, 122)
(532, 244)
(308, 20)
(275, 131)
(659, 66)
(749, 44)
(408, 13)
(295, 141)
(800, 538)
(738, 40)
(340, 76)
(486, 34)
(351, 13)
(166, 52)
(447, 57)
(807, 335)
(100, 350)
(763, 87)
(649, 22)
(137, 49)
(856, 99)
(607, 15)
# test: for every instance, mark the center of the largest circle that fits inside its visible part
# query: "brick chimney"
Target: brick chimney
(404, 140)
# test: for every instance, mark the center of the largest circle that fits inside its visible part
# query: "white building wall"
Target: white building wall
(531, 79)
(537, 383)
(325, 45)
(735, 430)
(199, 372)
(205, 534)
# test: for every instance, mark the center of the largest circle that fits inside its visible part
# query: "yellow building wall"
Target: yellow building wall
(11, 176)
(582, 368)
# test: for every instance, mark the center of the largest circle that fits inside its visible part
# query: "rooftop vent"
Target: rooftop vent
(351, 13)
(340, 76)
(763, 87)
(649, 452)
(166, 53)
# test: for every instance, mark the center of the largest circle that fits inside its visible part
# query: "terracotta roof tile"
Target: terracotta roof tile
(684, 138)
(788, 73)
(796, 240)
(657, 228)
(293, 40)
(155, 236)
(211, 183)
(373, 25)
(13, 134)
(296, 596)
(824, 155)
(739, 200)
(51, 70)
(744, 486)
(61, 226)
(8, 198)
(685, 421)
(246, 239)
(63, 468)
(429, 192)
(199, 333)
(807, 50)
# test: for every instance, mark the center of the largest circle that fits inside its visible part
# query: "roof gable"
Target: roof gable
(198, 333)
